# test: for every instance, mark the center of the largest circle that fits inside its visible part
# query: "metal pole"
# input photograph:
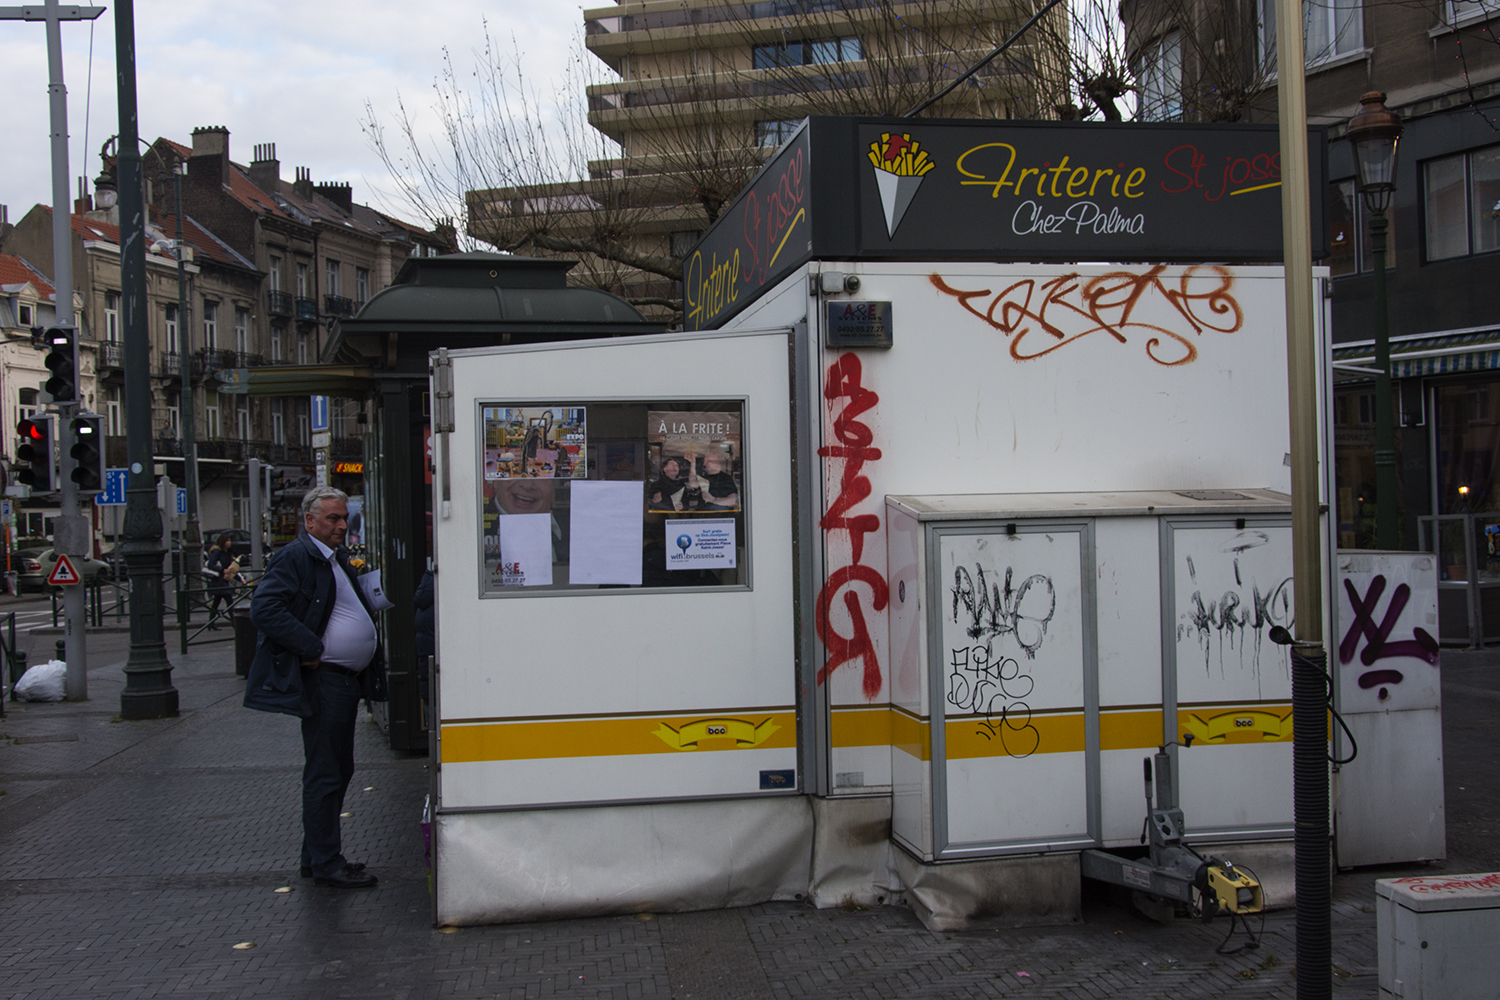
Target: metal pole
(187, 417)
(256, 507)
(71, 532)
(1310, 747)
(148, 693)
(1387, 530)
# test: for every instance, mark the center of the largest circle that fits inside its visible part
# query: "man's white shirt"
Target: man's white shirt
(349, 640)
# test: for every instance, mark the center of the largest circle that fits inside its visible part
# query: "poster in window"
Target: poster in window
(696, 461)
(534, 442)
(523, 533)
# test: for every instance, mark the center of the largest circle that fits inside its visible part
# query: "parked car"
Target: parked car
(27, 564)
(239, 543)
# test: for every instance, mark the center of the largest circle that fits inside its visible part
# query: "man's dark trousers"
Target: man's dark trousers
(328, 744)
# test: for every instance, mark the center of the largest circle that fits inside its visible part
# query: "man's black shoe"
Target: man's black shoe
(354, 866)
(348, 877)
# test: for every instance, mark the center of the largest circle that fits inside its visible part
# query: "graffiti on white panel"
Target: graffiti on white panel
(1379, 644)
(1166, 316)
(1231, 627)
(993, 610)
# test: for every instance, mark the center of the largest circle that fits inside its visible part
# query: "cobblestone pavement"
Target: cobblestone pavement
(135, 856)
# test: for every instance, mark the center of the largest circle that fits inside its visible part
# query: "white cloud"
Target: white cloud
(296, 74)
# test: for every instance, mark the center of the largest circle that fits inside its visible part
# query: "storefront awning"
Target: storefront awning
(297, 380)
(1472, 350)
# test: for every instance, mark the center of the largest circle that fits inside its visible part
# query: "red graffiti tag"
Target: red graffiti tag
(1070, 307)
(854, 449)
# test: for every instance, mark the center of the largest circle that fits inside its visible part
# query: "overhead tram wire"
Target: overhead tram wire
(981, 64)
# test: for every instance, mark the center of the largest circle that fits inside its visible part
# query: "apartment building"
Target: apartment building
(701, 92)
(1439, 65)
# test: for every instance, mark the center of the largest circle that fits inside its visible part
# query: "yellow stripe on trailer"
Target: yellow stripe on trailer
(608, 737)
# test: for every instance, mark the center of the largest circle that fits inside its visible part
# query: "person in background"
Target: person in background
(318, 653)
(220, 568)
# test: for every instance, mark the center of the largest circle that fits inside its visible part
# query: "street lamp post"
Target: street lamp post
(1376, 134)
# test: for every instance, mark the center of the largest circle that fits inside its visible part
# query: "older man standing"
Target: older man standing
(318, 654)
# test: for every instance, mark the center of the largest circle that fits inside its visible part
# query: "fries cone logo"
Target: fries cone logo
(900, 163)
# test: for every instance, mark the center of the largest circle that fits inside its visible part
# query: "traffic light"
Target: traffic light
(88, 452)
(36, 452)
(62, 362)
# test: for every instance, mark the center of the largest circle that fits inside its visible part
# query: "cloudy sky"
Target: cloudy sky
(294, 73)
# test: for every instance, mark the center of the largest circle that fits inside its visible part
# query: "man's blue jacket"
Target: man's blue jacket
(292, 603)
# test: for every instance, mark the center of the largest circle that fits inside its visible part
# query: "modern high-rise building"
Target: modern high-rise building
(700, 92)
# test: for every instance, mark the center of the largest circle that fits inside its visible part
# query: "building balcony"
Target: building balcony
(169, 363)
(111, 354)
(337, 305)
(280, 303)
(291, 454)
(347, 448)
(307, 310)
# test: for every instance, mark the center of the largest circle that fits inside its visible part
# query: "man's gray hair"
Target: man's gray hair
(311, 498)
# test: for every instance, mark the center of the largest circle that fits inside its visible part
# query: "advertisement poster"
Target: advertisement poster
(701, 544)
(695, 461)
(534, 442)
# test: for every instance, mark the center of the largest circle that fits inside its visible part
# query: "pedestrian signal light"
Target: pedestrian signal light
(88, 452)
(35, 452)
(62, 362)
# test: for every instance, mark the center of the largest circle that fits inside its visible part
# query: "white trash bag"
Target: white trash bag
(44, 682)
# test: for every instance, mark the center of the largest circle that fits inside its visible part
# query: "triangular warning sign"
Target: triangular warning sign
(63, 573)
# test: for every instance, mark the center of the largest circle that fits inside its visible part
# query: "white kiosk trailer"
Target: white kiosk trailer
(878, 583)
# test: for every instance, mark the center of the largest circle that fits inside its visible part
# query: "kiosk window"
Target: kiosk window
(580, 495)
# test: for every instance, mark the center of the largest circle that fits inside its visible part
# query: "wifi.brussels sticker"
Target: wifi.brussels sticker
(699, 544)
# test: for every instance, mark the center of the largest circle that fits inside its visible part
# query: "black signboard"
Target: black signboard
(851, 323)
(922, 189)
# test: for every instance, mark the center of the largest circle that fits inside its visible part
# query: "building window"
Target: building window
(774, 133)
(301, 348)
(361, 284)
(242, 420)
(331, 277)
(822, 52)
(211, 326)
(1461, 203)
(242, 329)
(239, 505)
(23, 314)
(304, 430)
(211, 415)
(274, 274)
(113, 424)
(172, 346)
(1158, 68)
(302, 278)
(276, 344)
(1329, 30)
(338, 419)
(1465, 11)
(278, 421)
(112, 317)
(27, 406)
(1347, 217)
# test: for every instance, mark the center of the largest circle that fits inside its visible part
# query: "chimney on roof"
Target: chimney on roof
(265, 169)
(83, 204)
(303, 185)
(341, 195)
(211, 144)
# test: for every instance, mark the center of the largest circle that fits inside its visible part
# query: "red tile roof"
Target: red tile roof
(204, 243)
(16, 271)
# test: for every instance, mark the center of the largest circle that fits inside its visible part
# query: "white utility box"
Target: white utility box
(1437, 936)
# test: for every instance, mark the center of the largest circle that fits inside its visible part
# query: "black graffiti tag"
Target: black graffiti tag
(993, 610)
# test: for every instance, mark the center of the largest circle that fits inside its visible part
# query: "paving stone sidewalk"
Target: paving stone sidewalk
(135, 856)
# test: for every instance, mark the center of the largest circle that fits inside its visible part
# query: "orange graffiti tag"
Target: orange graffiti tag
(1071, 307)
(854, 439)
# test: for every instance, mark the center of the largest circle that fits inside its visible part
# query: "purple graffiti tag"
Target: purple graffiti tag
(1422, 646)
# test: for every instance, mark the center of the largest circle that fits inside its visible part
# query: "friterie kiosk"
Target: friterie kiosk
(877, 583)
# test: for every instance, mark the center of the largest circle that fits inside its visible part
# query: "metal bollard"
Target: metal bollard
(62, 650)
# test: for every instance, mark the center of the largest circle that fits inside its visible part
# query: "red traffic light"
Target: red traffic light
(30, 429)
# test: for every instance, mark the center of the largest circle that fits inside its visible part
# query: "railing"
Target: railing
(291, 454)
(346, 448)
(15, 659)
(337, 305)
(190, 601)
(170, 447)
(171, 363)
(208, 360)
(307, 309)
(111, 355)
(281, 303)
